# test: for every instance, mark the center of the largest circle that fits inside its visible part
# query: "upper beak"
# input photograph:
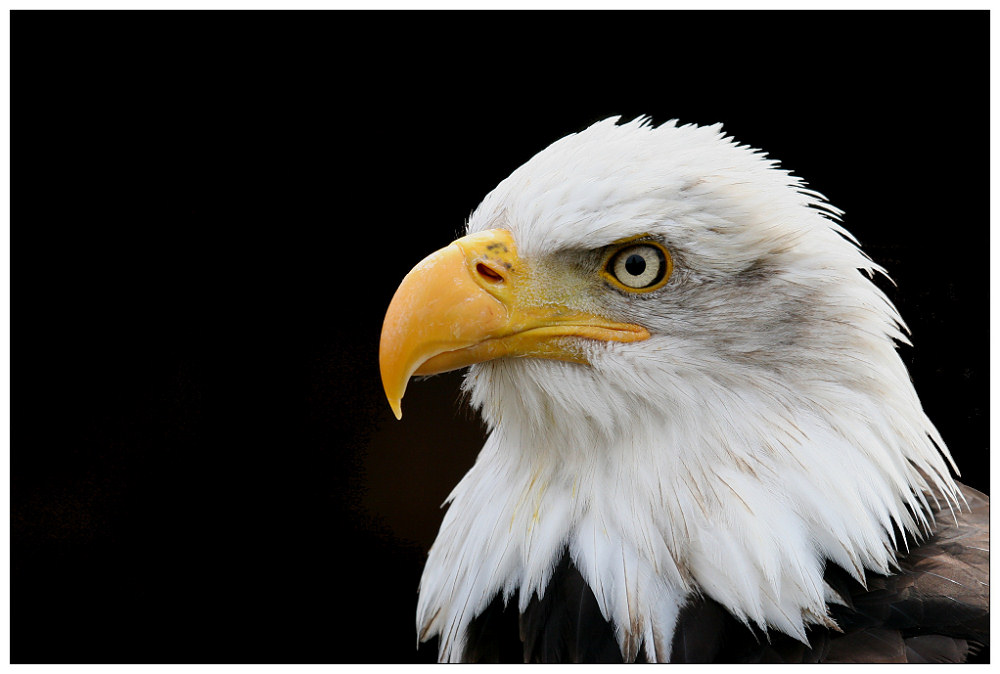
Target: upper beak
(476, 300)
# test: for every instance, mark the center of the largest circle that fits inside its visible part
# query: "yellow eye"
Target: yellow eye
(640, 267)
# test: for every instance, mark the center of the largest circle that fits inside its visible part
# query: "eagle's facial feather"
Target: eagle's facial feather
(765, 426)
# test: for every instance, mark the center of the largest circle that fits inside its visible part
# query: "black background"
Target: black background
(214, 209)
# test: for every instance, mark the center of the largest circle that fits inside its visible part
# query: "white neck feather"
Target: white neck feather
(737, 488)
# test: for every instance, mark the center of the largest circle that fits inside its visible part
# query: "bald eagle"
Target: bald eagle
(703, 445)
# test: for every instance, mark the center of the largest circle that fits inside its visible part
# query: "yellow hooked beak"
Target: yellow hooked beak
(476, 300)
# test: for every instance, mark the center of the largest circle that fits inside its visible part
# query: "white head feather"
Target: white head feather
(766, 426)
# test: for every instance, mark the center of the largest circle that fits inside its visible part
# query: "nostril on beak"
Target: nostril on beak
(489, 273)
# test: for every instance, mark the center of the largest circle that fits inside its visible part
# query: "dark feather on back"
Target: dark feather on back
(566, 625)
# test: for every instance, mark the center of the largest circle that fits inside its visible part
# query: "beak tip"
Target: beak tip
(397, 409)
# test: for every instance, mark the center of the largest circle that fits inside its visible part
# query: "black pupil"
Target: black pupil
(635, 264)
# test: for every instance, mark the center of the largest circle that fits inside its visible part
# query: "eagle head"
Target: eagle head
(690, 381)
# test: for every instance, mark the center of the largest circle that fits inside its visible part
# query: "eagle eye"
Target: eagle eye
(639, 267)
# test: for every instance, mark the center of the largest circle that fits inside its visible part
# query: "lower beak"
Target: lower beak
(474, 301)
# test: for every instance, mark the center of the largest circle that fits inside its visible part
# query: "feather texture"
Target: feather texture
(931, 611)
